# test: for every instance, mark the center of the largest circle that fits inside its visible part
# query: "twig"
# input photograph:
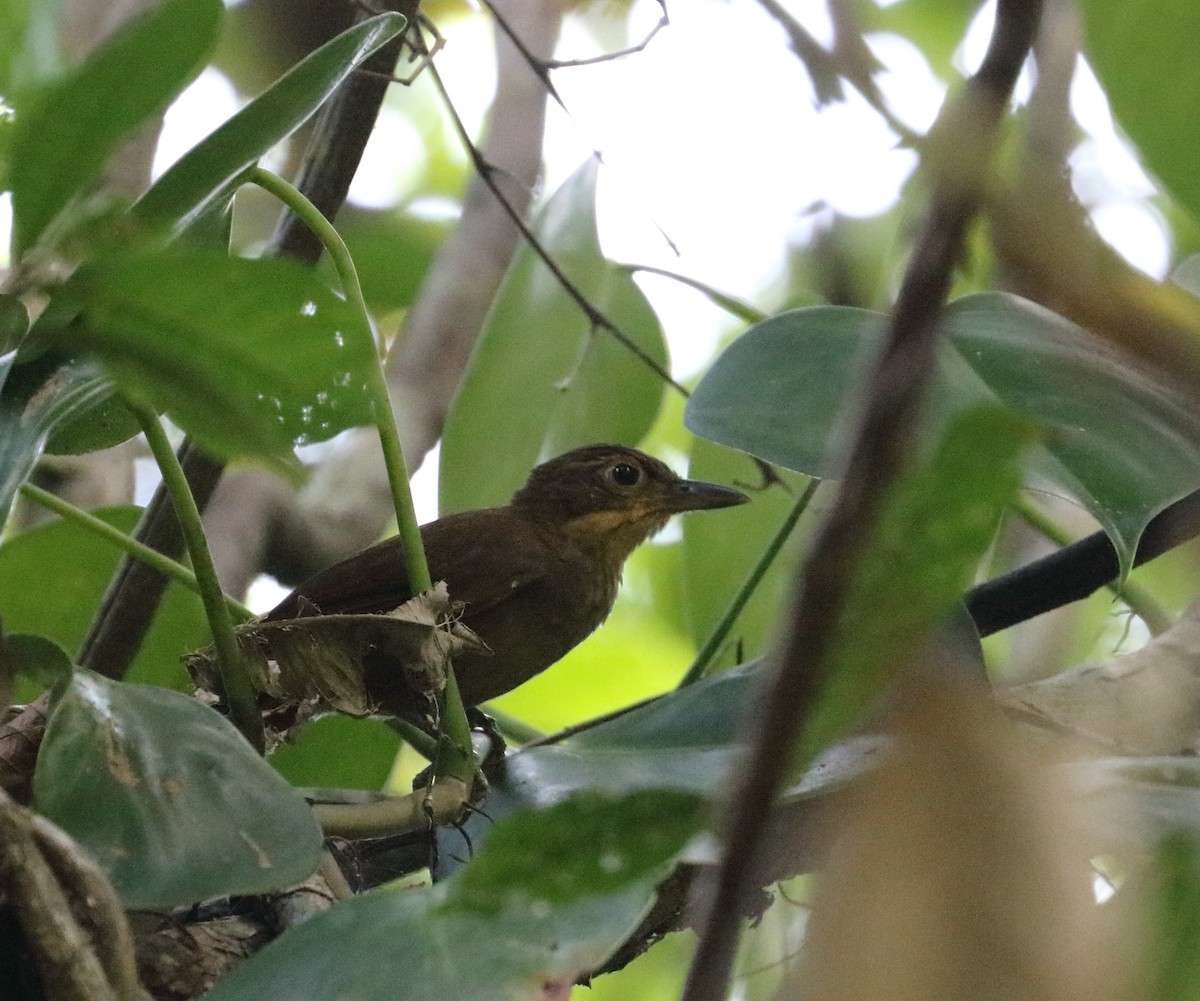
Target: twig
(595, 316)
(894, 399)
(138, 550)
(439, 804)
(542, 66)
(708, 652)
(1076, 571)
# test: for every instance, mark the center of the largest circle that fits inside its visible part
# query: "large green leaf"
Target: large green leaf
(936, 524)
(52, 579)
(542, 380)
(209, 173)
(1116, 441)
(1144, 55)
(552, 894)
(247, 355)
(37, 397)
(688, 741)
(168, 797)
(62, 142)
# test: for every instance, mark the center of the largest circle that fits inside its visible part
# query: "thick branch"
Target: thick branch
(894, 399)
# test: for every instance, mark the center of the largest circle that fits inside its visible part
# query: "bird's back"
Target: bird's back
(527, 591)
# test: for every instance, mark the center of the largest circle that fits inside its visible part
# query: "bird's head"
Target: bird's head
(613, 496)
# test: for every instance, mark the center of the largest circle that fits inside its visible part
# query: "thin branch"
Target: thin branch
(708, 652)
(594, 314)
(664, 21)
(894, 398)
(127, 543)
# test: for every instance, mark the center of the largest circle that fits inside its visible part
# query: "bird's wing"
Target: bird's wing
(473, 553)
(485, 564)
(371, 581)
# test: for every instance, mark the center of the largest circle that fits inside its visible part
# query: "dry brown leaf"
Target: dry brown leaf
(313, 665)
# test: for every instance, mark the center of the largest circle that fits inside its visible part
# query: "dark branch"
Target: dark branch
(894, 398)
(1075, 571)
(595, 316)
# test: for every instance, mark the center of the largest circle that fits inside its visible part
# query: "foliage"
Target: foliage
(112, 308)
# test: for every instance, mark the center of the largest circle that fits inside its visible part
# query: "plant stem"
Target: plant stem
(127, 543)
(456, 757)
(235, 680)
(712, 645)
(1140, 602)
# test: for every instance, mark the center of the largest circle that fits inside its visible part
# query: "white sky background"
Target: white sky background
(711, 134)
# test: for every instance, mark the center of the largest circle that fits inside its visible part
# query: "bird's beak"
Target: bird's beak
(695, 495)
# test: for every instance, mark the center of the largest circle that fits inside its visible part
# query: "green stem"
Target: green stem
(1139, 600)
(708, 652)
(513, 729)
(239, 693)
(457, 758)
(138, 550)
(722, 300)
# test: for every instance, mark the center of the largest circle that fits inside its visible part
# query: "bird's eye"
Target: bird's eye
(624, 474)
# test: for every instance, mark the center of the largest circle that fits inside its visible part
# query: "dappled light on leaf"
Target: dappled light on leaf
(248, 355)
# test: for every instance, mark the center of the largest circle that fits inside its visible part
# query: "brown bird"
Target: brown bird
(537, 577)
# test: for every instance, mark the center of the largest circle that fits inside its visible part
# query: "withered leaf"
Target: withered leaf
(313, 665)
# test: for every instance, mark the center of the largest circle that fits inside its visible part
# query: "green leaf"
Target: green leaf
(52, 578)
(29, 50)
(14, 323)
(36, 657)
(1152, 84)
(247, 355)
(549, 897)
(719, 554)
(542, 380)
(687, 741)
(34, 399)
(337, 752)
(63, 141)
(938, 521)
(1116, 441)
(168, 797)
(209, 173)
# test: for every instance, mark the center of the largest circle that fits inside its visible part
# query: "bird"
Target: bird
(535, 577)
